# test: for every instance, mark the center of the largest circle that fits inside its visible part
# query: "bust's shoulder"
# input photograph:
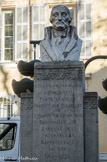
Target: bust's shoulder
(48, 28)
(48, 31)
(73, 32)
(73, 28)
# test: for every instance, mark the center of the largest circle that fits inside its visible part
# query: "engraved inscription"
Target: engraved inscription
(58, 112)
(59, 74)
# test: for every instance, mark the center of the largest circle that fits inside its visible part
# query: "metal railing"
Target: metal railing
(35, 42)
(94, 58)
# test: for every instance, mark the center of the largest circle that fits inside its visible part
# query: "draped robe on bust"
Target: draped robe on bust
(60, 46)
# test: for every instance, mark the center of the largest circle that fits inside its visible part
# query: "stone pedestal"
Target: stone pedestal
(26, 126)
(61, 119)
(58, 112)
(91, 127)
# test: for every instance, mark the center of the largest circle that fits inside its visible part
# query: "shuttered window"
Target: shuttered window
(7, 36)
(38, 24)
(85, 28)
(22, 33)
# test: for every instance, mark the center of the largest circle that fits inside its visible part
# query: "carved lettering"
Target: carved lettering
(58, 112)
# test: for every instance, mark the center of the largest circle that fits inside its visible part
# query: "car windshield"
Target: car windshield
(7, 135)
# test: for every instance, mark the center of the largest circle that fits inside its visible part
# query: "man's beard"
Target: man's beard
(60, 25)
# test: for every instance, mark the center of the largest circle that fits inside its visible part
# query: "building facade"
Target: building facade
(24, 20)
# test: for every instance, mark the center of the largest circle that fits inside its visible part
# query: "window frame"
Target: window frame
(4, 11)
(13, 9)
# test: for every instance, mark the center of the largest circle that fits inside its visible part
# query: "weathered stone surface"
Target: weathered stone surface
(26, 125)
(63, 124)
(58, 112)
(91, 127)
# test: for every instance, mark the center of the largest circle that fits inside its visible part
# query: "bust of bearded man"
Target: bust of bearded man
(61, 41)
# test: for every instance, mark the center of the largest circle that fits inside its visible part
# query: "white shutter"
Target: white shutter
(22, 33)
(38, 25)
(84, 11)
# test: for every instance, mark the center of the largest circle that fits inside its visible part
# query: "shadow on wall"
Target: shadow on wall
(4, 80)
(100, 23)
(95, 82)
(100, 28)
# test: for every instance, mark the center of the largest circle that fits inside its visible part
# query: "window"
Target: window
(15, 29)
(38, 24)
(7, 136)
(22, 33)
(15, 34)
(8, 105)
(39, 21)
(7, 36)
(85, 28)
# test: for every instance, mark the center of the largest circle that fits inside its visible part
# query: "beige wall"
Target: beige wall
(98, 68)
(7, 74)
